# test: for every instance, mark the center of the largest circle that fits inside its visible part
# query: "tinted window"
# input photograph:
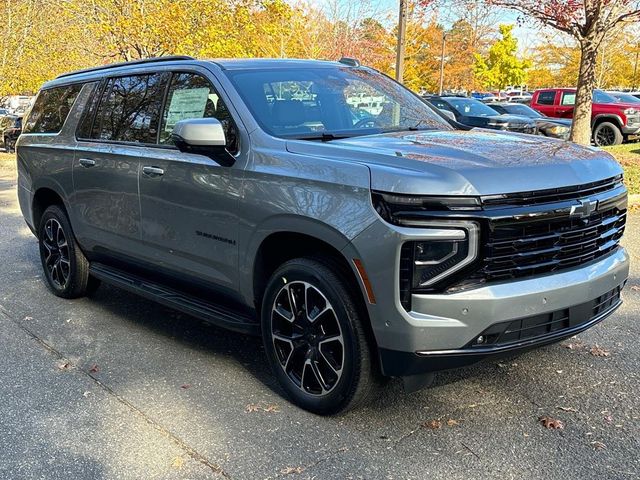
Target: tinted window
(518, 110)
(86, 123)
(51, 109)
(546, 98)
(314, 102)
(129, 110)
(471, 107)
(192, 96)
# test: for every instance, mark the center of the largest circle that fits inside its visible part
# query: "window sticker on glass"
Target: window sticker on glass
(185, 104)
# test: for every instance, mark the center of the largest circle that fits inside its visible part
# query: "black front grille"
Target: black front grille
(525, 246)
(514, 331)
(552, 194)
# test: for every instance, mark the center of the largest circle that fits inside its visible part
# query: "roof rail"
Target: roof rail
(143, 61)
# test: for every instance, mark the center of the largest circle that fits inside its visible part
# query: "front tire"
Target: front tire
(607, 134)
(66, 269)
(314, 337)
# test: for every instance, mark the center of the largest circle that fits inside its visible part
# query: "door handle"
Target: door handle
(87, 162)
(153, 171)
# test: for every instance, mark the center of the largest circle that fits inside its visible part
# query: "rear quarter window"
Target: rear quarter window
(51, 109)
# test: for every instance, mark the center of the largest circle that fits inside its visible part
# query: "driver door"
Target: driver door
(188, 202)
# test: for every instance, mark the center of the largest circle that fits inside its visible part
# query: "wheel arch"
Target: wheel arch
(44, 197)
(606, 117)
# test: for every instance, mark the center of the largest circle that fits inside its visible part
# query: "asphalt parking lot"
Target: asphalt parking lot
(115, 386)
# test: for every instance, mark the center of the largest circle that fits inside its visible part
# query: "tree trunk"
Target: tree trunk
(581, 129)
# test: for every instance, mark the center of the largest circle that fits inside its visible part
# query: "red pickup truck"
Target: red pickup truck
(612, 121)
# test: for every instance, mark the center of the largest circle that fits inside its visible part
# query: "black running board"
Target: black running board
(215, 314)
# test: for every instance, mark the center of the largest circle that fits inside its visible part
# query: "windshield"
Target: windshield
(521, 110)
(602, 97)
(626, 98)
(322, 102)
(470, 107)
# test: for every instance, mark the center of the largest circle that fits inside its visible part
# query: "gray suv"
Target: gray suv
(325, 207)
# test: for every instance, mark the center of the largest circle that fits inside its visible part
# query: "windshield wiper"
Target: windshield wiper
(324, 137)
(416, 127)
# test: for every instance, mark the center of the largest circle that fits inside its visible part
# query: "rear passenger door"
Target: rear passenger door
(188, 201)
(119, 129)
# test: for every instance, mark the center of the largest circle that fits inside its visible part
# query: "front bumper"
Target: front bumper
(632, 127)
(444, 323)
(404, 364)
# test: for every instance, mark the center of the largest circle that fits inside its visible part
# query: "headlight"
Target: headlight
(433, 258)
(445, 248)
(630, 111)
(558, 130)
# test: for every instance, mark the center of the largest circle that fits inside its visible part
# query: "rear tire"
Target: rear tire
(314, 337)
(66, 269)
(606, 134)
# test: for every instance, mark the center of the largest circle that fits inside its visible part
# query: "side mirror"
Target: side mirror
(447, 114)
(203, 136)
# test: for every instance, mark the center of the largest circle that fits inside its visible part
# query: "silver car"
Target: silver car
(361, 239)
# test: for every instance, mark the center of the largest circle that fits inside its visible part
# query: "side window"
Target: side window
(192, 96)
(51, 109)
(568, 98)
(546, 98)
(88, 114)
(129, 109)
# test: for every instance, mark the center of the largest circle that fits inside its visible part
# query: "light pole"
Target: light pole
(444, 40)
(402, 27)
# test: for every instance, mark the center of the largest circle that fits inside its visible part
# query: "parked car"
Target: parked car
(390, 245)
(10, 129)
(612, 121)
(548, 126)
(473, 113)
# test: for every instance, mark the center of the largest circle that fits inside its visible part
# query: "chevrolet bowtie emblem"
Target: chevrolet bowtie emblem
(584, 209)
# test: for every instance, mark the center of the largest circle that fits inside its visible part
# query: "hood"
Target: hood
(474, 162)
(511, 119)
(553, 121)
(618, 105)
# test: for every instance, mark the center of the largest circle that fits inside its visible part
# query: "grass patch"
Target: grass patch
(628, 155)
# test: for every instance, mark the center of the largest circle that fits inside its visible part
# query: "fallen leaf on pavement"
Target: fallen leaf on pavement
(598, 351)
(185, 386)
(551, 423)
(432, 425)
(94, 369)
(598, 445)
(290, 470)
(259, 407)
(573, 346)
(64, 366)
(452, 423)
(635, 288)
(568, 409)
(178, 462)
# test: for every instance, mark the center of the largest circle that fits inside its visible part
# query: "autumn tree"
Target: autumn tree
(589, 22)
(501, 66)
